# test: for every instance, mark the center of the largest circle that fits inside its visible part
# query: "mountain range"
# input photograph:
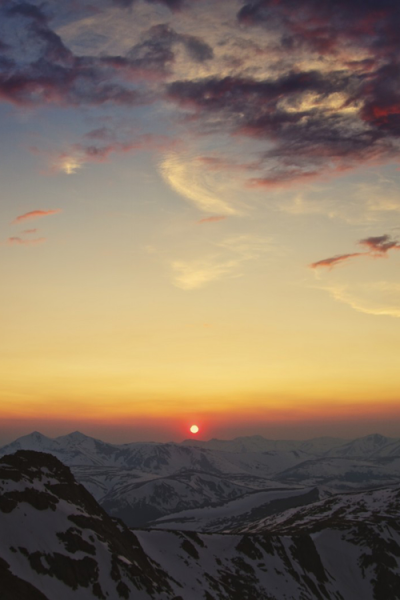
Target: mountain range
(58, 543)
(218, 484)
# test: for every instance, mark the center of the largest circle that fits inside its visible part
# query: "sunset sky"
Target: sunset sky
(200, 207)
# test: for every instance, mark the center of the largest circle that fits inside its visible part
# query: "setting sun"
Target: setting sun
(194, 429)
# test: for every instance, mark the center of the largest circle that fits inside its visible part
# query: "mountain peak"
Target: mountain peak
(75, 436)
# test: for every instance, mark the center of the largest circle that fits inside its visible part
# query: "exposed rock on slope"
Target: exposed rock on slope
(57, 543)
(56, 538)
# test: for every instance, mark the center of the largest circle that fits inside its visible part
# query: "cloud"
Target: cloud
(324, 99)
(335, 260)
(51, 73)
(329, 102)
(307, 139)
(188, 177)
(29, 231)
(378, 246)
(212, 219)
(35, 214)
(227, 261)
(326, 27)
(191, 275)
(103, 146)
(17, 241)
(171, 4)
(380, 298)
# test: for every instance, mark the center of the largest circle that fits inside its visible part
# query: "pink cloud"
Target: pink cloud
(335, 260)
(380, 244)
(17, 241)
(377, 246)
(212, 219)
(35, 214)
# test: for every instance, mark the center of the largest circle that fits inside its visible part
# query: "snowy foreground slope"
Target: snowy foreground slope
(57, 543)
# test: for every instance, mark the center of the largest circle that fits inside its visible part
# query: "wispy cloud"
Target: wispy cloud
(35, 214)
(191, 180)
(191, 275)
(29, 231)
(103, 145)
(213, 219)
(227, 261)
(335, 260)
(381, 298)
(17, 241)
(378, 246)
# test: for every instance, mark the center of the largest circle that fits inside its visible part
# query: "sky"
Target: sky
(200, 208)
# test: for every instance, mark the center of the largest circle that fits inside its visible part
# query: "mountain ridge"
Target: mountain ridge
(57, 542)
(145, 482)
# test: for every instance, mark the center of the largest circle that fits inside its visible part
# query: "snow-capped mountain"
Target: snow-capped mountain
(78, 449)
(258, 443)
(57, 543)
(140, 482)
(343, 474)
(370, 446)
(144, 482)
(57, 540)
(238, 512)
(340, 511)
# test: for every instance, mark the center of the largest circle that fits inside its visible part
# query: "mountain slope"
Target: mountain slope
(141, 482)
(56, 538)
(57, 543)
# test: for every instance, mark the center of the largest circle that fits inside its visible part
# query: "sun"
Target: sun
(194, 429)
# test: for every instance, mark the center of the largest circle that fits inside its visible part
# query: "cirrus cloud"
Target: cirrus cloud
(35, 214)
(377, 246)
(17, 241)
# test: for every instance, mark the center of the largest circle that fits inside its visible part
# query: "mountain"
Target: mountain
(58, 543)
(140, 482)
(258, 443)
(333, 475)
(147, 482)
(340, 512)
(56, 539)
(370, 446)
(238, 512)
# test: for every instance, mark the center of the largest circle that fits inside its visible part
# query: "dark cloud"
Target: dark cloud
(156, 51)
(171, 4)
(241, 95)
(316, 122)
(52, 73)
(340, 30)
(307, 140)
(313, 122)
(325, 26)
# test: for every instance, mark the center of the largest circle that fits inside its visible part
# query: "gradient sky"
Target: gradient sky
(200, 218)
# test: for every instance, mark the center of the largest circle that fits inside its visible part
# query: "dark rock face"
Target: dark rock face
(12, 587)
(57, 542)
(81, 536)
